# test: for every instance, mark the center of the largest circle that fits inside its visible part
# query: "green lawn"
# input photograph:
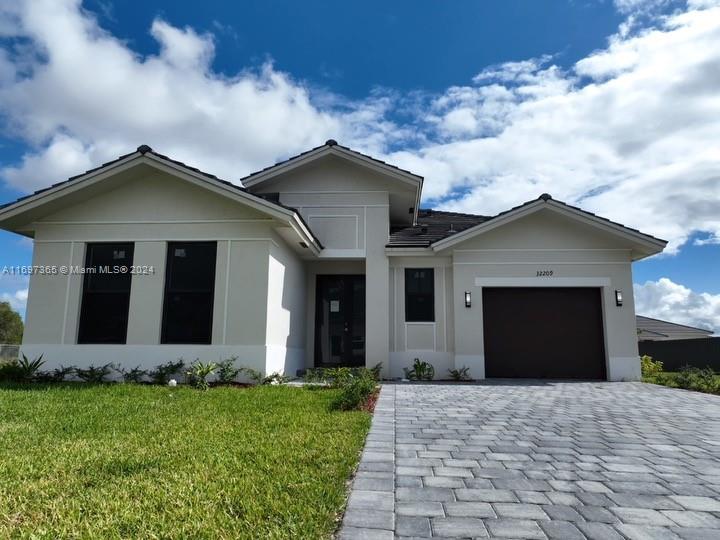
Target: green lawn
(133, 461)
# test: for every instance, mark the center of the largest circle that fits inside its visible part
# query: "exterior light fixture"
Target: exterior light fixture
(468, 299)
(618, 297)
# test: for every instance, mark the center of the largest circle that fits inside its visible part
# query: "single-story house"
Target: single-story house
(325, 259)
(649, 329)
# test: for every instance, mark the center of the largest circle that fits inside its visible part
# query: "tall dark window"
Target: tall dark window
(189, 292)
(419, 295)
(106, 293)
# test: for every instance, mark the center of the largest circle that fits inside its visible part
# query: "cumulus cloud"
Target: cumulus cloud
(628, 132)
(664, 299)
(17, 300)
(80, 96)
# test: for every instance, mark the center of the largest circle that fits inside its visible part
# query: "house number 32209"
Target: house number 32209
(544, 273)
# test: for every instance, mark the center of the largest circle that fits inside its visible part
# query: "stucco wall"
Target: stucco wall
(429, 341)
(577, 256)
(150, 211)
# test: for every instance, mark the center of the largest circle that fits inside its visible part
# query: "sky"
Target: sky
(613, 106)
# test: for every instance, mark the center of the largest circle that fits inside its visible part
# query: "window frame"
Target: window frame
(413, 318)
(87, 291)
(169, 290)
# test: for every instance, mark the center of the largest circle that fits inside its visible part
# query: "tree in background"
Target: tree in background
(11, 325)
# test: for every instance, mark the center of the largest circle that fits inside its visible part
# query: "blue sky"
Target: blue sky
(493, 102)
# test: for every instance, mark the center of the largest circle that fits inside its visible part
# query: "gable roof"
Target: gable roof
(145, 154)
(331, 147)
(657, 329)
(649, 244)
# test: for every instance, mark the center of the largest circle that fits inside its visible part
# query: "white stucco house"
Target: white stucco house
(325, 259)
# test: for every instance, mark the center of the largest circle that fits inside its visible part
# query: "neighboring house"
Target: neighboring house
(322, 260)
(649, 329)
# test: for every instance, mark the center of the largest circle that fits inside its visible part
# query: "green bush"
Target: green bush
(134, 375)
(462, 374)
(198, 374)
(650, 367)
(421, 371)
(226, 370)
(255, 376)
(94, 374)
(162, 373)
(355, 390)
(10, 371)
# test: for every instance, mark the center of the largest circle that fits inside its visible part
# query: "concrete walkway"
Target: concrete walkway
(536, 459)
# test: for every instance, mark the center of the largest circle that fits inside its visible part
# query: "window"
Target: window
(189, 292)
(106, 294)
(419, 295)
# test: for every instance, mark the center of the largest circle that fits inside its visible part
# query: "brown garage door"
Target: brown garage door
(543, 332)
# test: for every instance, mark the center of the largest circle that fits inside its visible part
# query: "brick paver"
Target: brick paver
(538, 459)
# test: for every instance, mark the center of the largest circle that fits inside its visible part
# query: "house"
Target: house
(649, 329)
(325, 259)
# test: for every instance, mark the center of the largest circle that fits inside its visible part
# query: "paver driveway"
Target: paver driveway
(533, 459)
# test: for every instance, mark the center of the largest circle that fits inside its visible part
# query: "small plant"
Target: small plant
(650, 368)
(355, 391)
(60, 373)
(94, 374)
(28, 369)
(134, 375)
(376, 371)
(421, 371)
(687, 377)
(707, 380)
(314, 375)
(255, 376)
(275, 378)
(226, 370)
(198, 374)
(162, 373)
(462, 374)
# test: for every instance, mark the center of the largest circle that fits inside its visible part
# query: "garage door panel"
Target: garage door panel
(543, 332)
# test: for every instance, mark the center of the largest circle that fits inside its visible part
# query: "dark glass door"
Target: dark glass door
(340, 321)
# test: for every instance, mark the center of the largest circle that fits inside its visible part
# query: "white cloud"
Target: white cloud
(79, 96)
(664, 299)
(17, 299)
(626, 132)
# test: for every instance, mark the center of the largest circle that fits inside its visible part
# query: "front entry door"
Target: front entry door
(340, 321)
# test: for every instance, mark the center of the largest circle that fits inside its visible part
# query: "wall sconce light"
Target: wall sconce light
(618, 297)
(468, 299)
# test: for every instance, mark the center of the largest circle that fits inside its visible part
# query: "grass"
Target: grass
(135, 461)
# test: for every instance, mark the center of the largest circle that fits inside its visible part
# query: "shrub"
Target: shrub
(650, 367)
(28, 369)
(314, 375)
(687, 377)
(10, 371)
(226, 370)
(421, 371)
(255, 376)
(134, 375)
(162, 373)
(462, 374)
(355, 390)
(94, 374)
(376, 370)
(706, 380)
(199, 372)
